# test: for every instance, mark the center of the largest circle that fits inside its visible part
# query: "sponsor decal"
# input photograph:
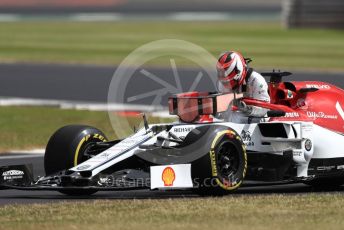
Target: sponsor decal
(168, 176)
(105, 155)
(83, 167)
(100, 137)
(297, 153)
(246, 138)
(213, 163)
(306, 128)
(325, 168)
(246, 135)
(299, 156)
(128, 141)
(106, 181)
(340, 110)
(13, 174)
(171, 176)
(322, 115)
(318, 86)
(340, 167)
(308, 145)
(182, 129)
(103, 180)
(292, 114)
(301, 103)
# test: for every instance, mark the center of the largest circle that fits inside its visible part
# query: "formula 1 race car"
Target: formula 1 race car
(299, 140)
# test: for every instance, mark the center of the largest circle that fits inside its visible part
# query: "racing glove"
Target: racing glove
(247, 110)
(242, 107)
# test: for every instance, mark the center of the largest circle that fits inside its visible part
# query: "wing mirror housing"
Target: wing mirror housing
(308, 90)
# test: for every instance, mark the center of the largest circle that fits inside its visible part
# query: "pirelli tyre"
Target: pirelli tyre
(227, 161)
(67, 148)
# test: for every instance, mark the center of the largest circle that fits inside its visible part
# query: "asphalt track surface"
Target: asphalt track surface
(91, 83)
(27, 197)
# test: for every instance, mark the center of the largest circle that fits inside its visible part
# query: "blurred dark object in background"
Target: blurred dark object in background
(313, 14)
(137, 6)
(295, 13)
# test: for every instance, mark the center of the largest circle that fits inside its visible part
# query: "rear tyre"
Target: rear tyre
(228, 163)
(68, 147)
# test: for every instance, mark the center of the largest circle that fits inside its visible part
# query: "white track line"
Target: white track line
(175, 16)
(9, 17)
(78, 105)
(9, 157)
(28, 152)
(156, 111)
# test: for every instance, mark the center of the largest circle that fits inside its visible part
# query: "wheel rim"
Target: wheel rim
(228, 160)
(86, 150)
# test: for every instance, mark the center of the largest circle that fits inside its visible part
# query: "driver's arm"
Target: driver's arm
(258, 91)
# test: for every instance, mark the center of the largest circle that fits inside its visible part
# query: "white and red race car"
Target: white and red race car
(300, 141)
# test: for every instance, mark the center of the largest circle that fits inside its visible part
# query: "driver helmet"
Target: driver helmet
(231, 69)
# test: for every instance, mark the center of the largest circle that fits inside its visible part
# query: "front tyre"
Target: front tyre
(68, 147)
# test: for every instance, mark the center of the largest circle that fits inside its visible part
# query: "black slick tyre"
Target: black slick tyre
(228, 164)
(67, 148)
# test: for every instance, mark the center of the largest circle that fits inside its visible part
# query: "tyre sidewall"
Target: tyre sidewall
(232, 138)
(211, 183)
(65, 147)
(77, 148)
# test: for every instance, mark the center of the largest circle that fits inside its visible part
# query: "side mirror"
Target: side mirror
(308, 90)
(276, 113)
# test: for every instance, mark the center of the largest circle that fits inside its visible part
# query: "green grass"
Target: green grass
(105, 43)
(31, 127)
(282, 212)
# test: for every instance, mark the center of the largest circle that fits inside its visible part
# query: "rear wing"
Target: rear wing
(276, 76)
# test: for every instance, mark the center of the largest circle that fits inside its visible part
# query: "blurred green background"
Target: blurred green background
(108, 43)
(104, 32)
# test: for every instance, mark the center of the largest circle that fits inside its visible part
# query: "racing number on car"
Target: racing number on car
(340, 110)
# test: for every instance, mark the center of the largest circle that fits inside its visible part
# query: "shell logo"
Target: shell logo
(168, 176)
